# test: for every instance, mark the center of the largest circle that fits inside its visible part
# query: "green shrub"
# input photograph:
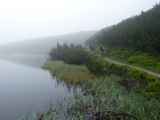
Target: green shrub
(133, 57)
(96, 65)
(154, 88)
(143, 60)
(99, 66)
(136, 74)
(69, 54)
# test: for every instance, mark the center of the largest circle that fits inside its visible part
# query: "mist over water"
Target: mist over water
(25, 87)
(35, 61)
(42, 46)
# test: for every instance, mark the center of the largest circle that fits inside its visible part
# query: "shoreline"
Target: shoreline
(96, 88)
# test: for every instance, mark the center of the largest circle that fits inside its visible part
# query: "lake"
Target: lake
(25, 87)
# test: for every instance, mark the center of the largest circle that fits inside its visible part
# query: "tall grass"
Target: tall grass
(106, 99)
(103, 95)
(71, 74)
(106, 95)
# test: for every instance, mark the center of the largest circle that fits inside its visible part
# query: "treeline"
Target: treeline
(141, 32)
(73, 54)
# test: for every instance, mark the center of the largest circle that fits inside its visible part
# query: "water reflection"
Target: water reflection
(71, 87)
(25, 87)
(28, 60)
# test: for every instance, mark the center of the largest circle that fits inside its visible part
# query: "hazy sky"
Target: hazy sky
(26, 19)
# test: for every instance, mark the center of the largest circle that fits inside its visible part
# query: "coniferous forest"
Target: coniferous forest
(141, 32)
(73, 54)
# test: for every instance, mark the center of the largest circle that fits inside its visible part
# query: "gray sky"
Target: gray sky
(26, 19)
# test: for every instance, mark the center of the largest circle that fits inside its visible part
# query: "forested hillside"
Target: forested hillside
(44, 45)
(141, 32)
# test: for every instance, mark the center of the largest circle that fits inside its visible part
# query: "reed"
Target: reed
(71, 74)
(105, 99)
(100, 98)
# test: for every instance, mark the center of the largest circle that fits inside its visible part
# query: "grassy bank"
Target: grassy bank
(133, 57)
(111, 99)
(71, 74)
(102, 98)
(148, 84)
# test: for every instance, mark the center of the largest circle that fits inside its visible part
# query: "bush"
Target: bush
(96, 65)
(149, 83)
(154, 88)
(69, 54)
(133, 57)
(143, 60)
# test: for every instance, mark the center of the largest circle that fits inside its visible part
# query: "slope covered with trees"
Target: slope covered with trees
(42, 46)
(141, 32)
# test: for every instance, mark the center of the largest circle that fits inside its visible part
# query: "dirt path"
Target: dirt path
(120, 63)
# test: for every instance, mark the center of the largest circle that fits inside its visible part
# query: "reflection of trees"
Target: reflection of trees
(71, 87)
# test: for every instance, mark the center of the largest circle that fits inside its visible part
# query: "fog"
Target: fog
(28, 31)
(30, 19)
(42, 46)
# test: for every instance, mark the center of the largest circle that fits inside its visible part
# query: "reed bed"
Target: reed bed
(100, 98)
(71, 74)
(104, 99)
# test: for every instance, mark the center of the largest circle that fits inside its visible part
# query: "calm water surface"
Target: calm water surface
(25, 87)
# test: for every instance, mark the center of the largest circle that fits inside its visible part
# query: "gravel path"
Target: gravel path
(120, 63)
